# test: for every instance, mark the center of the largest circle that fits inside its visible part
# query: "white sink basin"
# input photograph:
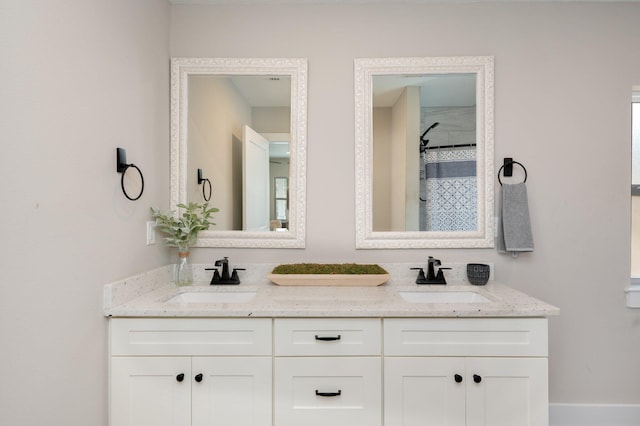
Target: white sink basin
(212, 297)
(443, 297)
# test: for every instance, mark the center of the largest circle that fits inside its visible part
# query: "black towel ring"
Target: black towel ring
(202, 180)
(127, 167)
(122, 167)
(511, 163)
(204, 195)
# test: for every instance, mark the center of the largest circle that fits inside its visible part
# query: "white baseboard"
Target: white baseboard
(594, 415)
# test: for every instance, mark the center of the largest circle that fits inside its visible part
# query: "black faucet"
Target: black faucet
(217, 279)
(225, 268)
(432, 277)
(432, 263)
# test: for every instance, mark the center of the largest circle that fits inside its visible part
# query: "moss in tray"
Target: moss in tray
(329, 268)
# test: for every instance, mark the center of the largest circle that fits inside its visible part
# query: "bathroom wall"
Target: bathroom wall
(457, 125)
(218, 113)
(381, 180)
(271, 119)
(405, 166)
(78, 79)
(564, 73)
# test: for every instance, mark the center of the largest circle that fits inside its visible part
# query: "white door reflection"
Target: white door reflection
(255, 181)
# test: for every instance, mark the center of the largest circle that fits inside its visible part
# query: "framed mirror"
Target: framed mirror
(238, 128)
(424, 152)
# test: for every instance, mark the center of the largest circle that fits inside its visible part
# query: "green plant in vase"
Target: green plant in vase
(182, 232)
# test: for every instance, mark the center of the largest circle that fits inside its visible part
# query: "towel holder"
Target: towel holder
(508, 169)
(203, 180)
(122, 167)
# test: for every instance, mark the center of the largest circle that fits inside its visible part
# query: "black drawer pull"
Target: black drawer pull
(458, 378)
(318, 393)
(198, 377)
(328, 338)
(180, 377)
(477, 378)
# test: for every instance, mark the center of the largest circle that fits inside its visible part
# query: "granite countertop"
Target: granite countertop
(146, 295)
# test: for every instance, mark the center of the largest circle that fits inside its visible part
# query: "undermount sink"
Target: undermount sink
(443, 297)
(212, 297)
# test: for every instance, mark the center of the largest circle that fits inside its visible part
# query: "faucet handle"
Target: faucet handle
(421, 278)
(234, 274)
(440, 275)
(216, 275)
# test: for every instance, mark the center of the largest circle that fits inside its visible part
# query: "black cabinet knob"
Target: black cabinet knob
(477, 378)
(198, 378)
(458, 378)
(180, 377)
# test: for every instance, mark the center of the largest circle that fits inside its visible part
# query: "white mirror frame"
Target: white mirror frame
(296, 68)
(365, 69)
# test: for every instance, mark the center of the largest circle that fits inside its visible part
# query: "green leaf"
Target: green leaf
(183, 230)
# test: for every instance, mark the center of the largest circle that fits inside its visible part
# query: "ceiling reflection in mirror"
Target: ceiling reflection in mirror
(242, 122)
(424, 152)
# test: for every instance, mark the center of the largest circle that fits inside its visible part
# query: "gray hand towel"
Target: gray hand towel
(514, 229)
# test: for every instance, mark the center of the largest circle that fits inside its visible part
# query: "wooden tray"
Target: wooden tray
(329, 279)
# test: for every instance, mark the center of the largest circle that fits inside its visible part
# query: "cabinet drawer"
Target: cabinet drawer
(340, 391)
(465, 337)
(190, 336)
(327, 337)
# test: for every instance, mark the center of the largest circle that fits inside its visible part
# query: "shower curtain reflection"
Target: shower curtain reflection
(448, 190)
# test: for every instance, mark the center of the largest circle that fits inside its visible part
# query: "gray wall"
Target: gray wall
(564, 73)
(78, 79)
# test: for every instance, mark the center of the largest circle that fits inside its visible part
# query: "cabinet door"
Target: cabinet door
(150, 391)
(507, 392)
(231, 391)
(424, 391)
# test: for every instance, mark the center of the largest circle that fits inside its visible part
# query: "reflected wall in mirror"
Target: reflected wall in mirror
(424, 152)
(243, 123)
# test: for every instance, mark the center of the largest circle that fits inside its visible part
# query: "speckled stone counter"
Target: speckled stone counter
(146, 295)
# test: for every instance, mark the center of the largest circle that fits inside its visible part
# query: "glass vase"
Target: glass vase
(184, 271)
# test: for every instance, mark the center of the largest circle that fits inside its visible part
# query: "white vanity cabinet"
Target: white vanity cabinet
(183, 372)
(327, 371)
(456, 372)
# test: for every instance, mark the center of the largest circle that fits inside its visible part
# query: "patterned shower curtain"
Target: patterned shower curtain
(449, 190)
